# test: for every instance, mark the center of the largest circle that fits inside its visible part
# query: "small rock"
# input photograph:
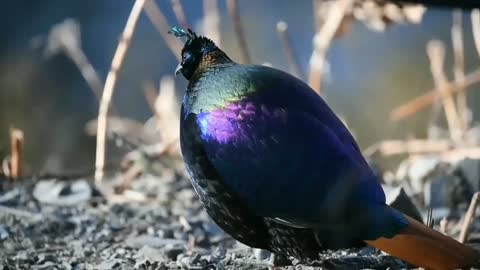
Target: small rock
(22, 256)
(62, 193)
(448, 191)
(108, 264)
(67, 266)
(10, 197)
(147, 253)
(261, 254)
(46, 265)
(398, 199)
(3, 232)
(471, 170)
(417, 170)
(172, 251)
(152, 241)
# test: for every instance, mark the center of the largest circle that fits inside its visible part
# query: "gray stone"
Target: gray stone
(261, 254)
(152, 241)
(150, 254)
(398, 199)
(62, 193)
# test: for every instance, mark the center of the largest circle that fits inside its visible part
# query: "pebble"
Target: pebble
(132, 235)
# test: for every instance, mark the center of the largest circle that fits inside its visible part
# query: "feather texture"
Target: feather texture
(276, 169)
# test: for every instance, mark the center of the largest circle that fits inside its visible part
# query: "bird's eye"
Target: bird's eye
(186, 56)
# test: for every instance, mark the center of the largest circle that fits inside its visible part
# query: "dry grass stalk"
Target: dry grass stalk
(5, 170)
(180, 13)
(16, 159)
(150, 92)
(443, 225)
(417, 104)
(429, 222)
(293, 63)
(467, 221)
(476, 28)
(167, 111)
(65, 37)
(410, 147)
(436, 54)
(158, 20)
(457, 154)
(211, 21)
(459, 67)
(237, 25)
(109, 87)
(323, 39)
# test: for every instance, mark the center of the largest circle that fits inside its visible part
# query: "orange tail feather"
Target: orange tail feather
(425, 247)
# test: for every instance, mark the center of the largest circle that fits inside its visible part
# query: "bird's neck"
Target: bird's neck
(211, 61)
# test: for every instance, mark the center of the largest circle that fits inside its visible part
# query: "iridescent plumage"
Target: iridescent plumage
(275, 167)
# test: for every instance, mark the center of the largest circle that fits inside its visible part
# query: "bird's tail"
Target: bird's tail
(427, 248)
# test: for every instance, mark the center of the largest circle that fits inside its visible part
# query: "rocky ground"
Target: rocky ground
(158, 223)
(52, 223)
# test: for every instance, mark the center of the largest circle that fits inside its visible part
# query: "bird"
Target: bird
(276, 169)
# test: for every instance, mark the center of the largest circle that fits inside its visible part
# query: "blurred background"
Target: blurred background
(45, 95)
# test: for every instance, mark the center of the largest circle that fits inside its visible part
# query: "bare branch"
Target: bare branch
(476, 28)
(467, 221)
(293, 63)
(410, 108)
(16, 144)
(65, 37)
(436, 54)
(411, 147)
(237, 25)
(180, 13)
(211, 21)
(158, 20)
(459, 67)
(109, 87)
(443, 225)
(322, 40)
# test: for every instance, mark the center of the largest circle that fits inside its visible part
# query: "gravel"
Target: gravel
(158, 224)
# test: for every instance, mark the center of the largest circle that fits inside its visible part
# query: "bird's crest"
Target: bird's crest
(180, 33)
(193, 41)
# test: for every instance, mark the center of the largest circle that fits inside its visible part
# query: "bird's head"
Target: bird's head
(198, 52)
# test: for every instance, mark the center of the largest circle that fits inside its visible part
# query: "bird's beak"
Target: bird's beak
(178, 69)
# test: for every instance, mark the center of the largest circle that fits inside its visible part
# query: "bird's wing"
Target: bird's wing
(288, 163)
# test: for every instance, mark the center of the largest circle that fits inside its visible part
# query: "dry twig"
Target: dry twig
(443, 225)
(158, 20)
(4, 210)
(476, 28)
(457, 154)
(211, 21)
(467, 221)
(150, 92)
(417, 104)
(459, 67)
(293, 63)
(436, 54)
(180, 13)
(16, 144)
(411, 147)
(109, 87)
(322, 40)
(65, 37)
(237, 25)
(167, 111)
